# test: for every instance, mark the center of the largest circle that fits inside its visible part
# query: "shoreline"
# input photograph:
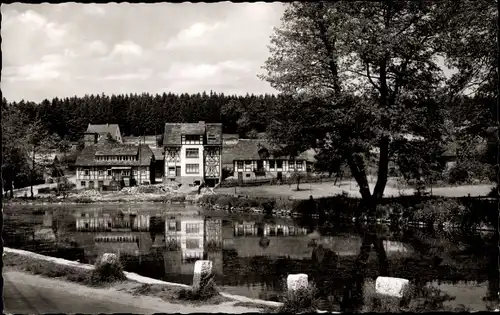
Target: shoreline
(245, 205)
(132, 277)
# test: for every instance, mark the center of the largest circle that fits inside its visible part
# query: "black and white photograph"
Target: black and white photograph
(250, 157)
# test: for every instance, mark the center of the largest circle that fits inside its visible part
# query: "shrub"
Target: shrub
(424, 299)
(301, 301)
(107, 272)
(439, 211)
(458, 174)
(178, 198)
(207, 291)
(226, 201)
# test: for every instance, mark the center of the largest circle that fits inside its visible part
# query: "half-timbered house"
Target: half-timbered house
(193, 152)
(252, 159)
(109, 163)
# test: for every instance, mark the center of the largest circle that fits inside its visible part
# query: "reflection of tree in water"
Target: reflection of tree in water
(352, 299)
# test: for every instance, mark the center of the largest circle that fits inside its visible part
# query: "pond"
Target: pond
(251, 254)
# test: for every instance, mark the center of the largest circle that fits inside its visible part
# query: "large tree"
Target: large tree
(363, 74)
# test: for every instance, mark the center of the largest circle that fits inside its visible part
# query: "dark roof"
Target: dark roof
(174, 131)
(144, 139)
(87, 155)
(103, 129)
(230, 136)
(214, 129)
(248, 149)
(158, 153)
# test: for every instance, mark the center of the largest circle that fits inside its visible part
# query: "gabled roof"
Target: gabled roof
(248, 149)
(174, 131)
(105, 147)
(143, 139)
(103, 129)
(158, 153)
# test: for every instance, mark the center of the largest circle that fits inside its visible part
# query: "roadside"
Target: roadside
(33, 294)
(170, 297)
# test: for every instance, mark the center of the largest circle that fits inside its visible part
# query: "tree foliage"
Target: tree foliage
(364, 74)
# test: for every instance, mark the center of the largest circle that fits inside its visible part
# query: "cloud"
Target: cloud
(94, 9)
(142, 74)
(193, 36)
(97, 48)
(126, 48)
(75, 49)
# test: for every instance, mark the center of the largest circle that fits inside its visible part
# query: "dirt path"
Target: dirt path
(30, 294)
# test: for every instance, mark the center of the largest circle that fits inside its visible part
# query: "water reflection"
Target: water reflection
(252, 255)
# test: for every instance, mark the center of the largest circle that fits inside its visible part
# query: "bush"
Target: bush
(207, 291)
(439, 211)
(107, 272)
(424, 299)
(301, 301)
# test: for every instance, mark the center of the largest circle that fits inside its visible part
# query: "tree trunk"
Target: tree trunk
(32, 173)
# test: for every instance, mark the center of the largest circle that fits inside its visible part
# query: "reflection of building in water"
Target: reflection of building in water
(120, 243)
(189, 239)
(251, 228)
(102, 221)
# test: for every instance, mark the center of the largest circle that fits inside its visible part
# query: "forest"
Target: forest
(146, 114)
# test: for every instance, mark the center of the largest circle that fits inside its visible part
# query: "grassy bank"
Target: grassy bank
(430, 211)
(89, 277)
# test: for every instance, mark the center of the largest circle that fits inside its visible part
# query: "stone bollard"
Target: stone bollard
(297, 283)
(394, 287)
(109, 258)
(202, 274)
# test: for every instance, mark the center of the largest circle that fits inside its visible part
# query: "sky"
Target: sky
(62, 50)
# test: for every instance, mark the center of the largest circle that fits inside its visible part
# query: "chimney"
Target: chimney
(107, 125)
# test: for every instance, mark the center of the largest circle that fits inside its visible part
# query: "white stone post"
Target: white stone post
(394, 287)
(202, 274)
(296, 283)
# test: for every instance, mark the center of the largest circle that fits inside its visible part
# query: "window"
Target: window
(101, 172)
(291, 164)
(192, 243)
(247, 175)
(279, 164)
(191, 139)
(192, 153)
(300, 165)
(272, 164)
(248, 165)
(192, 228)
(126, 173)
(171, 171)
(82, 183)
(171, 226)
(211, 138)
(240, 165)
(192, 168)
(86, 172)
(109, 172)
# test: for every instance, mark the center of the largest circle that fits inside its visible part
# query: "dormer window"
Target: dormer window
(211, 138)
(192, 139)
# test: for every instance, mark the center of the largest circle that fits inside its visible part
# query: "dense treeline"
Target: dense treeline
(140, 114)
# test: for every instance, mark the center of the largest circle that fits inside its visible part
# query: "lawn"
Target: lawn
(318, 190)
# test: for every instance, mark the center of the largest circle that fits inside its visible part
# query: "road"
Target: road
(30, 294)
